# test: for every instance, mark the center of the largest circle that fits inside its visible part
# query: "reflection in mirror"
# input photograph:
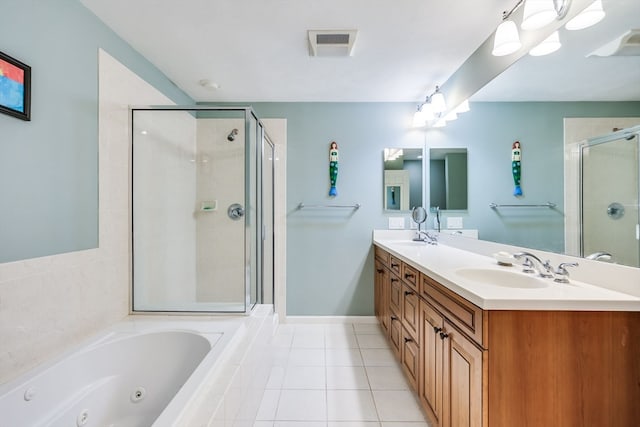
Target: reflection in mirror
(448, 178)
(609, 208)
(402, 178)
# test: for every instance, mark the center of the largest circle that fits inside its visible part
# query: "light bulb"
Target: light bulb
(438, 104)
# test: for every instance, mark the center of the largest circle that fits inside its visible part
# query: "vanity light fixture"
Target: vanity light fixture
(438, 103)
(440, 123)
(547, 46)
(507, 39)
(451, 116)
(463, 107)
(419, 119)
(538, 13)
(593, 14)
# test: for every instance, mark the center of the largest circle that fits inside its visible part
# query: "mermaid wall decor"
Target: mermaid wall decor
(516, 156)
(333, 168)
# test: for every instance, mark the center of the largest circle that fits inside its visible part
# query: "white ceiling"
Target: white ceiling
(257, 50)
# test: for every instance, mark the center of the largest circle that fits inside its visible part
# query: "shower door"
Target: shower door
(610, 192)
(194, 209)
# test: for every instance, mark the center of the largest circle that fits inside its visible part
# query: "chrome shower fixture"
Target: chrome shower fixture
(232, 135)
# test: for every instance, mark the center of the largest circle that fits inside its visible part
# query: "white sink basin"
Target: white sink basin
(502, 278)
(410, 243)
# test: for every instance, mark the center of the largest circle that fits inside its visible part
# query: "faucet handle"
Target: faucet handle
(527, 265)
(562, 275)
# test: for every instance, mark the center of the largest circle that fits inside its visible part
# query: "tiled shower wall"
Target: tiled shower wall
(51, 303)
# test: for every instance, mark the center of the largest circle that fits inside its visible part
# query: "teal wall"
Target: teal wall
(329, 257)
(49, 166)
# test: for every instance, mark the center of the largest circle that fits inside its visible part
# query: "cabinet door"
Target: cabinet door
(410, 358)
(431, 351)
(395, 335)
(462, 369)
(395, 301)
(410, 311)
(381, 289)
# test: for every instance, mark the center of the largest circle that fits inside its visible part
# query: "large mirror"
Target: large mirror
(536, 102)
(403, 178)
(448, 178)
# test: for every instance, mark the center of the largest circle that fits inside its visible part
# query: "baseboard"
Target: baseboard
(330, 319)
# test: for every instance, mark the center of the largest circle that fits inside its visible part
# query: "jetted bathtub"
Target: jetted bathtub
(138, 373)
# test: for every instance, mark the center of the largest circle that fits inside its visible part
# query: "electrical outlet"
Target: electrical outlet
(396, 223)
(454, 222)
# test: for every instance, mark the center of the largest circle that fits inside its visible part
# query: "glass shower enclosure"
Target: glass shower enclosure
(202, 210)
(610, 190)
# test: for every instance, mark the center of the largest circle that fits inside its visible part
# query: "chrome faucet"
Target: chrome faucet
(543, 269)
(428, 237)
(561, 274)
(604, 256)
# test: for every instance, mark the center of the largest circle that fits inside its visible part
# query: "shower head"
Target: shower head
(232, 135)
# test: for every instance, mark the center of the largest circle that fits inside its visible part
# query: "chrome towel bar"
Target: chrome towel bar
(305, 206)
(549, 205)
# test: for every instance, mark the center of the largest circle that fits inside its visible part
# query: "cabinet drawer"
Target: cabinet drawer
(382, 255)
(465, 315)
(410, 310)
(395, 265)
(410, 275)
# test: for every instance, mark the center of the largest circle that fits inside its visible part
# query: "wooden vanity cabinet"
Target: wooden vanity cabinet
(451, 387)
(506, 368)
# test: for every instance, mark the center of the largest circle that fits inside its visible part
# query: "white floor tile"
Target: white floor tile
(406, 424)
(300, 424)
(351, 405)
(306, 357)
(302, 405)
(372, 341)
(353, 424)
(378, 357)
(347, 378)
(308, 340)
(282, 340)
(395, 405)
(367, 328)
(305, 377)
(268, 406)
(386, 378)
(343, 357)
(337, 328)
(276, 377)
(342, 340)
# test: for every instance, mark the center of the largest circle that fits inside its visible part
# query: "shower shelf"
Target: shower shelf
(355, 206)
(549, 205)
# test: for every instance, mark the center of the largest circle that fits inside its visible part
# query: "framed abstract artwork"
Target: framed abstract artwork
(15, 88)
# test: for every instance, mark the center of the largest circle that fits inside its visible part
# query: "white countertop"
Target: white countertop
(441, 262)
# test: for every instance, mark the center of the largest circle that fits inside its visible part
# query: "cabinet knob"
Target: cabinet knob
(393, 280)
(409, 292)
(406, 340)
(436, 329)
(379, 270)
(407, 275)
(395, 265)
(443, 335)
(394, 317)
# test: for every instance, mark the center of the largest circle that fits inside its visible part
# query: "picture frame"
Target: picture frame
(15, 88)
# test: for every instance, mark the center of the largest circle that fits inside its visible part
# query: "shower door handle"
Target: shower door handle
(235, 211)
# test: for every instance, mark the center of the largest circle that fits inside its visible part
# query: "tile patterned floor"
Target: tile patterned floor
(336, 375)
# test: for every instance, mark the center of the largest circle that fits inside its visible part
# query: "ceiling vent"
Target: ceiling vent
(627, 44)
(331, 42)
